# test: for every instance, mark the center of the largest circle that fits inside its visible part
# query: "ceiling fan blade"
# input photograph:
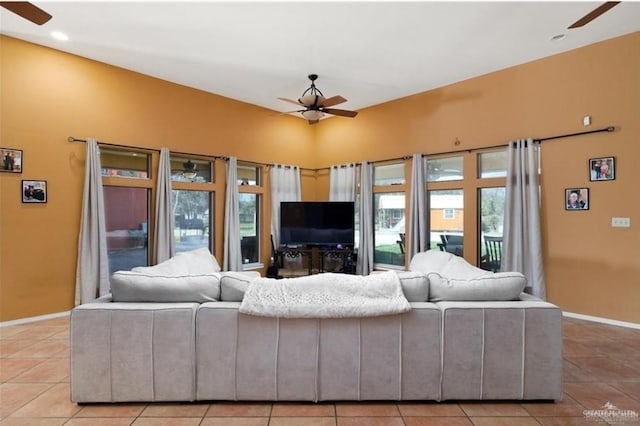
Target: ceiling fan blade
(340, 112)
(291, 101)
(593, 14)
(335, 100)
(313, 121)
(27, 10)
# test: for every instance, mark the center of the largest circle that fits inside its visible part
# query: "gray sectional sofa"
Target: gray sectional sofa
(509, 348)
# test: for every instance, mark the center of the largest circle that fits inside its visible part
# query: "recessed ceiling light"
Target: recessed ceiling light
(558, 37)
(59, 36)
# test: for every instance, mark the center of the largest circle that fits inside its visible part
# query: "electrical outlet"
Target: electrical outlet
(621, 222)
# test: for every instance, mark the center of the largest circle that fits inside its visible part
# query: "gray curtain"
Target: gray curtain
(164, 239)
(285, 186)
(342, 183)
(522, 241)
(232, 255)
(364, 265)
(418, 223)
(92, 269)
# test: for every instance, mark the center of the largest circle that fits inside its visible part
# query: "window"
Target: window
(249, 202)
(389, 174)
(122, 163)
(389, 229)
(249, 205)
(491, 202)
(192, 227)
(447, 220)
(444, 169)
(389, 219)
(249, 175)
(492, 164)
(127, 219)
(191, 170)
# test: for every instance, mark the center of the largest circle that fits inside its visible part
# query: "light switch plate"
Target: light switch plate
(621, 222)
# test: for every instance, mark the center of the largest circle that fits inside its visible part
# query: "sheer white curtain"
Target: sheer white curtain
(285, 186)
(232, 255)
(418, 225)
(92, 269)
(342, 183)
(364, 265)
(522, 241)
(164, 239)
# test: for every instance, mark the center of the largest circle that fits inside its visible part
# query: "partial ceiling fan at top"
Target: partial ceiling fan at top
(316, 105)
(593, 14)
(27, 10)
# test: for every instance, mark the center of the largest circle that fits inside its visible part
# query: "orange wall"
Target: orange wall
(47, 96)
(590, 268)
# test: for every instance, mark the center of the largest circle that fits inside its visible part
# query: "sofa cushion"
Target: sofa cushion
(130, 286)
(193, 262)
(499, 287)
(233, 285)
(415, 285)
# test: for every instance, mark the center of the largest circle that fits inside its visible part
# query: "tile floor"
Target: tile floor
(601, 364)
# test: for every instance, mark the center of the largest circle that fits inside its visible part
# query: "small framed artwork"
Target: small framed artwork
(34, 191)
(603, 168)
(11, 160)
(576, 199)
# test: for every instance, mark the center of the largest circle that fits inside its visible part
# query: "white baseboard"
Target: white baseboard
(34, 319)
(602, 320)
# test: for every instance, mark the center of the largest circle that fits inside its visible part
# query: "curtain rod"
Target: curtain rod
(548, 138)
(217, 157)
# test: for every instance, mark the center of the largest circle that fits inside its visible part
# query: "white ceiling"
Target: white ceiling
(368, 52)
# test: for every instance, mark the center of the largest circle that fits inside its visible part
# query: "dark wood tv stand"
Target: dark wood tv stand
(313, 260)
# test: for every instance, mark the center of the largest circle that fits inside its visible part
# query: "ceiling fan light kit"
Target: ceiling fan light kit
(312, 114)
(316, 105)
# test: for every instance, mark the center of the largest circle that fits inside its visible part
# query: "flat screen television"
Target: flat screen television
(317, 223)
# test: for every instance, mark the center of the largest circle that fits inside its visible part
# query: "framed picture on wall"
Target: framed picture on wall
(603, 168)
(11, 160)
(34, 191)
(576, 199)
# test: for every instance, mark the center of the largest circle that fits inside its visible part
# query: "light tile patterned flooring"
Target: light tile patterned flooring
(601, 364)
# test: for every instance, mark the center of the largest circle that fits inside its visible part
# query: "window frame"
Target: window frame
(390, 189)
(259, 190)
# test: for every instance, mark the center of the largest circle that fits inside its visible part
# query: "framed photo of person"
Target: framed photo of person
(603, 168)
(576, 199)
(34, 191)
(11, 160)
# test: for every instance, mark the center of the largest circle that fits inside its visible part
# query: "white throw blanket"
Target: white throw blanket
(326, 295)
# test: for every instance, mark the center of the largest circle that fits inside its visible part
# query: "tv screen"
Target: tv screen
(319, 223)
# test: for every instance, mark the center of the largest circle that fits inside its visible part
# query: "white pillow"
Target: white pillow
(198, 261)
(446, 264)
(500, 286)
(430, 261)
(129, 286)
